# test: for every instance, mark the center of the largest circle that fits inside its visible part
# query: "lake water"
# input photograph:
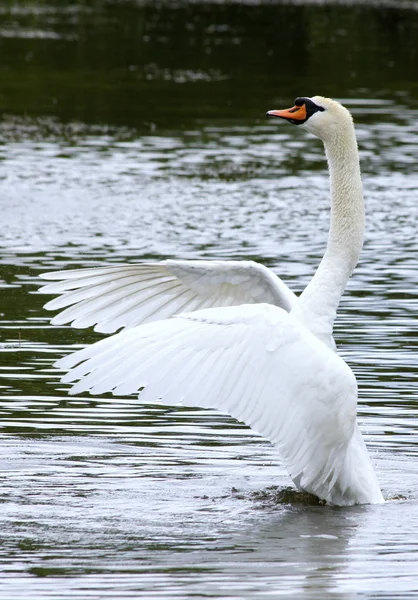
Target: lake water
(134, 131)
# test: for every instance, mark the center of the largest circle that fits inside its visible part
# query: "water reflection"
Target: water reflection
(169, 64)
(181, 533)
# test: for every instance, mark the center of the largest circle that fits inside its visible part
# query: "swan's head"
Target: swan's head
(321, 116)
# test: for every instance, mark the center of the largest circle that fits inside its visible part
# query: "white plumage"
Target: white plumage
(127, 295)
(242, 343)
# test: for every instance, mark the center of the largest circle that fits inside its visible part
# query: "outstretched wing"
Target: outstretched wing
(128, 295)
(254, 362)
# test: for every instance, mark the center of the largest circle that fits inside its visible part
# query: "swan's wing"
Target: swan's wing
(125, 296)
(254, 362)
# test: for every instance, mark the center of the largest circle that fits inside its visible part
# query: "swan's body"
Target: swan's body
(243, 342)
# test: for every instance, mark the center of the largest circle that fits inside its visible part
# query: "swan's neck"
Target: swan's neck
(317, 306)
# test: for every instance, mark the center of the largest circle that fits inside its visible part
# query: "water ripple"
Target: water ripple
(121, 498)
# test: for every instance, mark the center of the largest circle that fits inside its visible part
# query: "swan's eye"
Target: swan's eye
(309, 104)
(312, 108)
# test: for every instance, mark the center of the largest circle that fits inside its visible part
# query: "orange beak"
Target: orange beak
(296, 113)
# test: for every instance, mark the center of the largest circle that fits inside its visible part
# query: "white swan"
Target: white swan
(243, 342)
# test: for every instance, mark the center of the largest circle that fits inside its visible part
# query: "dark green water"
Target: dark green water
(132, 131)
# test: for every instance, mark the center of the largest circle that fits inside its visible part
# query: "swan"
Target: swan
(230, 335)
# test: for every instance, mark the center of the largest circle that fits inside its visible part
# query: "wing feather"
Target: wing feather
(103, 307)
(255, 362)
(97, 289)
(127, 295)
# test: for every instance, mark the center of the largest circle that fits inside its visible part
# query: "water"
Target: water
(133, 131)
